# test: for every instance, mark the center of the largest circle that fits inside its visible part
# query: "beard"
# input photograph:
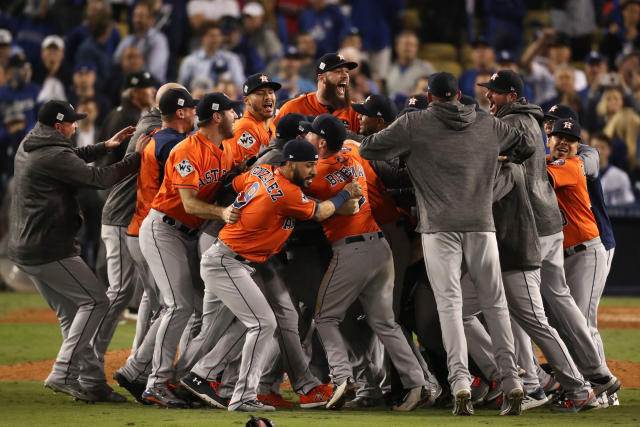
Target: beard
(299, 180)
(227, 129)
(335, 101)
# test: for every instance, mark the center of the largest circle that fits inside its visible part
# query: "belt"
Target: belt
(359, 238)
(189, 231)
(572, 250)
(219, 243)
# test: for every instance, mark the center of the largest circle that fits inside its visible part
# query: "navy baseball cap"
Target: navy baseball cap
(377, 106)
(467, 100)
(84, 68)
(214, 103)
(175, 99)
(443, 85)
(593, 57)
(53, 112)
(140, 79)
(257, 81)
(566, 127)
(289, 126)
(561, 111)
(331, 61)
(560, 39)
(505, 57)
(505, 81)
(17, 60)
(328, 127)
(299, 150)
(292, 52)
(418, 101)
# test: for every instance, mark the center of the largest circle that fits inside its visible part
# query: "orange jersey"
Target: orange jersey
(248, 136)
(195, 163)
(382, 204)
(333, 174)
(270, 204)
(308, 104)
(151, 173)
(570, 184)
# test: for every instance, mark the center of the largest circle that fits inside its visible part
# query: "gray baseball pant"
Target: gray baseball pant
(172, 257)
(586, 274)
(363, 270)
(445, 254)
(524, 353)
(73, 291)
(566, 314)
(230, 280)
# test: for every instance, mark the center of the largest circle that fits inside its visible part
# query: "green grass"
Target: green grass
(27, 403)
(620, 301)
(621, 344)
(13, 301)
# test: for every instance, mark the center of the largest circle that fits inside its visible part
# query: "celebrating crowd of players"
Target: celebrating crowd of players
(316, 241)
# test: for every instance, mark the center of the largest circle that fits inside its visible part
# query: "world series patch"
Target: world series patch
(246, 140)
(184, 168)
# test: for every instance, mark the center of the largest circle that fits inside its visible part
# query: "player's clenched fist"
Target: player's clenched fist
(354, 189)
(231, 214)
(350, 207)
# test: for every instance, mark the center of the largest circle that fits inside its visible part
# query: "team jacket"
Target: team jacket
(270, 205)
(333, 174)
(570, 184)
(248, 136)
(151, 173)
(308, 104)
(195, 163)
(45, 217)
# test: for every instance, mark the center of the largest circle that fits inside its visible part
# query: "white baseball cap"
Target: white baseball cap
(5, 36)
(253, 9)
(53, 40)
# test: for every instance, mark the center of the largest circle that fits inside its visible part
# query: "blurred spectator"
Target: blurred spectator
(18, 94)
(289, 76)
(234, 40)
(353, 39)
(230, 89)
(97, 14)
(53, 73)
(326, 23)
(5, 46)
(289, 11)
(86, 133)
(202, 12)
(84, 87)
(12, 131)
(32, 26)
(540, 60)
(131, 61)
(200, 86)
(138, 96)
(576, 18)
(622, 38)
(260, 36)
(629, 70)
(152, 43)
(359, 77)
(407, 68)
(171, 19)
(504, 23)
(595, 68)
(482, 57)
(565, 90)
(505, 60)
(422, 83)
(623, 124)
(3, 76)
(616, 185)
(211, 61)
(307, 48)
(480, 92)
(376, 25)
(96, 49)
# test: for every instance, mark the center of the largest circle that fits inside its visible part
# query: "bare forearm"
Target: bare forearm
(202, 209)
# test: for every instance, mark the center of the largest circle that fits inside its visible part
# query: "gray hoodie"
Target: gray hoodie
(45, 216)
(525, 116)
(451, 154)
(121, 203)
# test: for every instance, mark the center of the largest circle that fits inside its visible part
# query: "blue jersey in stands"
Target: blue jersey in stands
(599, 210)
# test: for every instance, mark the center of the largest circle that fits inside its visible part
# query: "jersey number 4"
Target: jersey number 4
(245, 197)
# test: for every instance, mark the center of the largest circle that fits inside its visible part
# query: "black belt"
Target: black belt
(191, 232)
(235, 256)
(360, 238)
(575, 249)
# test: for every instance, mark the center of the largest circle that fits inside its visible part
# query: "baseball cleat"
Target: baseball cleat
(414, 398)
(254, 406)
(479, 390)
(462, 403)
(73, 389)
(363, 402)
(603, 401)
(607, 385)
(613, 399)
(318, 396)
(275, 400)
(565, 404)
(134, 388)
(161, 395)
(534, 399)
(207, 391)
(512, 402)
(552, 386)
(341, 393)
(104, 393)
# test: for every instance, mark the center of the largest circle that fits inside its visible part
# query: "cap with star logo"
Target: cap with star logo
(561, 111)
(505, 81)
(419, 101)
(566, 127)
(377, 106)
(331, 61)
(257, 81)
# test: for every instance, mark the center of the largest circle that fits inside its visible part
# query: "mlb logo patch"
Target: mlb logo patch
(184, 168)
(215, 106)
(180, 102)
(59, 116)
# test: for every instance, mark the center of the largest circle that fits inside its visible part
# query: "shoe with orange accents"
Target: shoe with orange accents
(275, 400)
(572, 406)
(318, 396)
(207, 391)
(161, 395)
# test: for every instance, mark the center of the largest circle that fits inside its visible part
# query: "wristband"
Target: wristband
(340, 199)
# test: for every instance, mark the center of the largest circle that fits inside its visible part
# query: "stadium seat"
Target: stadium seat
(452, 67)
(438, 52)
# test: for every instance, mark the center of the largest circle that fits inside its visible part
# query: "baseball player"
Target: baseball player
(585, 257)
(44, 224)
(332, 96)
(270, 199)
(255, 129)
(193, 173)
(356, 240)
(453, 174)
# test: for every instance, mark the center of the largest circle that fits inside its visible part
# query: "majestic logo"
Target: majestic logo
(412, 101)
(568, 125)
(264, 78)
(246, 140)
(184, 168)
